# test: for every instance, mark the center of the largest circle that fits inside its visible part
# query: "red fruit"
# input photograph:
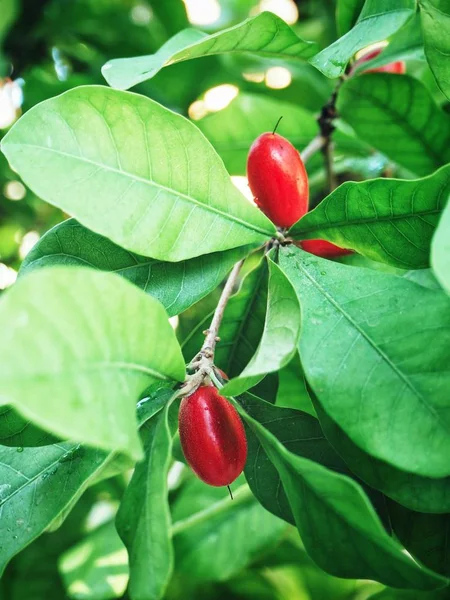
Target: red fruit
(278, 179)
(212, 437)
(322, 248)
(398, 67)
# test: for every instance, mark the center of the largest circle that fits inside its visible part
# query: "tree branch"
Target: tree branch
(314, 146)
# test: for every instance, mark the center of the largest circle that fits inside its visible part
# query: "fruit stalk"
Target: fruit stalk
(314, 146)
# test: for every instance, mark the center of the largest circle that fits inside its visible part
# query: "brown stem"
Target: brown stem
(314, 146)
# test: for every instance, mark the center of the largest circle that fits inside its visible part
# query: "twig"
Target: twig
(204, 360)
(326, 123)
(314, 146)
(327, 151)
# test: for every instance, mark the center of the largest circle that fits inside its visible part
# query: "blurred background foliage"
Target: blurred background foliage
(49, 46)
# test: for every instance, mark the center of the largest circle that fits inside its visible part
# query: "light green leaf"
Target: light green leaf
(97, 567)
(416, 493)
(397, 115)
(292, 391)
(347, 13)
(143, 520)
(329, 509)
(133, 171)
(233, 130)
(214, 538)
(176, 285)
(435, 16)
(77, 348)
(425, 536)
(378, 20)
(374, 348)
(440, 250)
(37, 486)
(406, 44)
(265, 34)
(241, 328)
(387, 220)
(280, 336)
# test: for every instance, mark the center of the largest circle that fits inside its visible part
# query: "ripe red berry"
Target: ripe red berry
(398, 67)
(212, 437)
(322, 248)
(277, 178)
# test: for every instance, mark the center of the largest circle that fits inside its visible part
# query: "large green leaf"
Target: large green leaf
(97, 567)
(37, 486)
(413, 491)
(440, 250)
(143, 520)
(265, 34)
(133, 171)
(435, 16)
(347, 13)
(425, 536)
(292, 391)
(15, 430)
(406, 44)
(241, 328)
(378, 20)
(388, 220)
(77, 348)
(176, 285)
(397, 115)
(375, 350)
(338, 526)
(280, 335)
(214, 538)
(233, 130)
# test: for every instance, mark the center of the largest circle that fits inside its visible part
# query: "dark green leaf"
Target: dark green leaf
(133, 171)
(87, 354)
(375, 349)
(397, 115)
(338, 526)
(241, 328)
(143, 520)
(233, 130)
(176, 285)
(425, 536)
(280, 335)
(435, 16)
(440, 250)
(265, 34)
(388, 220)
(292, 391)
(347, 13)
(378, 20)
(17, 431)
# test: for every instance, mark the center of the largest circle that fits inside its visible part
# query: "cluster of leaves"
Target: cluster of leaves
(339, 371)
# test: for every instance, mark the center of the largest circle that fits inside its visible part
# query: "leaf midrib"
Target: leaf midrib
(375, 347)
(172, 192)
(366, 221)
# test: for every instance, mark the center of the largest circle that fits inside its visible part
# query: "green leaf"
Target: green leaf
(338, 526)
(280, 335)
(406, 44)
(425, 536)
(374, 348)
(143, 520)
(435, 16)
(92, 345)
(233, 130)
(414, 492)
(37, 486)
(398, 116)
(241, 328)
(387, 220)
(17, 431)
(292, 391)
(97, 567)
(297, 431)
(133, 171)
(219, 538)
(347, 13)
(378, 20)
(265, 34)
(440, 250)
(176, 285)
